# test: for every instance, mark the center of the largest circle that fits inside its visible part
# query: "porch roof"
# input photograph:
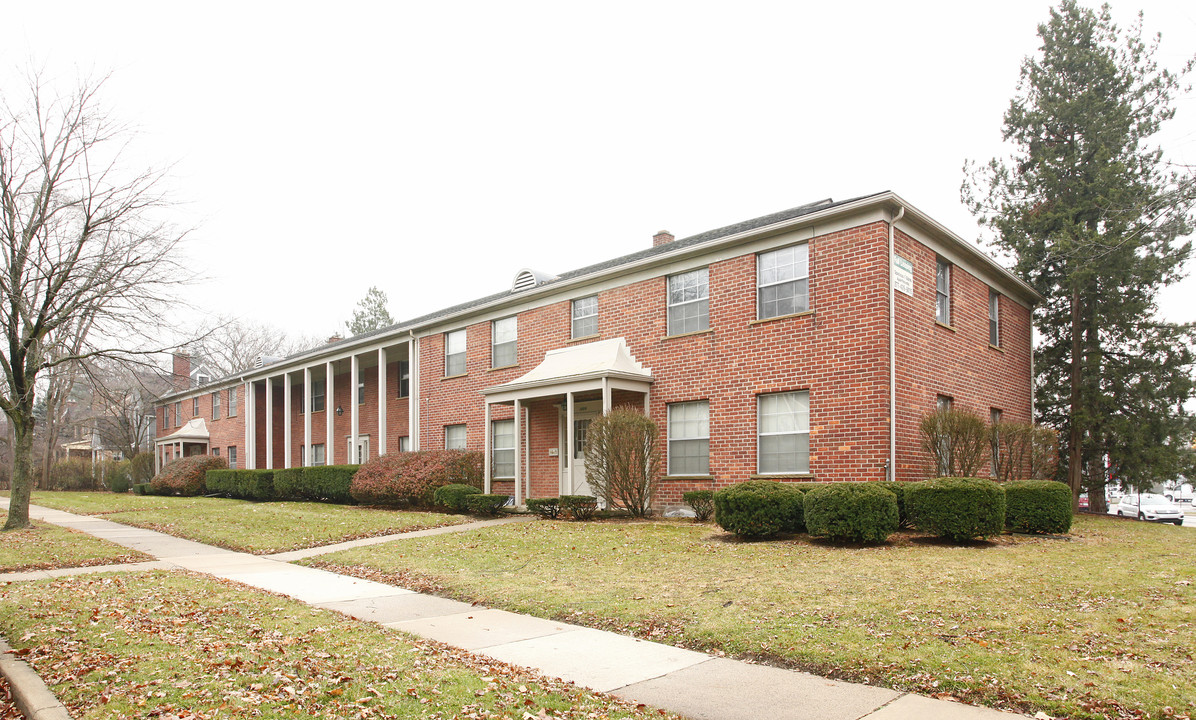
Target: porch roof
(196, 430)
(575, 369)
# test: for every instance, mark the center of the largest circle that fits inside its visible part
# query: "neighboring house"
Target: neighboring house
(766, 349)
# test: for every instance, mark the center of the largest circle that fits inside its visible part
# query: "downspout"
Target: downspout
(891, 473)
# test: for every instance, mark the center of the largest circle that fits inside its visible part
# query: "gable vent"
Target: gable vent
(528, 279)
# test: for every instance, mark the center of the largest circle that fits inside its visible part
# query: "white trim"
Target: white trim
(354, 407)
(487, 454)
(269, 423)
(383, 396)
(518, 459)
(669, 434)
(329, 415)
(413, 407)
(286, 418)
(306, 460)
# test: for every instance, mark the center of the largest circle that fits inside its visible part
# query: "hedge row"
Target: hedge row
(411, 478)
(185, 476)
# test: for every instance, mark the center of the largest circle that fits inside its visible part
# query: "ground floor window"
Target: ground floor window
(216, 452)
(689, 438)
(232, 457)
(454, 437)
(405, 444)
(317, 454)
(502, 457)
(783, 424)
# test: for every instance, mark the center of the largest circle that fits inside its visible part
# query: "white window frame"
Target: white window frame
(216, 405)
(195, 406)
(994, 318)
(405, 443)
(942, 291)
(585, 313)
(232, 402)
(799, 262)
(361, 390)
(675, 440)
(452, 356)
(178, 413)
(404, 378)
(678, 284)
(799, 430)
(464, 436)
(318, 391)
(504, 429)
(232, 457)
(504, 338)
(318, 456)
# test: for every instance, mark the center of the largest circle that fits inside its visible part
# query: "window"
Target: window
(994, 318)
(689, 303)
(585, 316)
(944, 402)
(361, 391)
(942, 284)
(454, 353)
(232, 457)
(782, 281)
(504, 334)
(405, 444)
(454, 437)
(178, 413)
(502, 456)
(202, 379)
(689, 438)
(232, 402)
(195, 406)
(317, 454)
(317, 396)
(216, 405)
(215, 452)
(784, 433)
(165, 417)
(404, 378)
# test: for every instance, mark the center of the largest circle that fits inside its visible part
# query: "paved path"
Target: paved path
(683, 681)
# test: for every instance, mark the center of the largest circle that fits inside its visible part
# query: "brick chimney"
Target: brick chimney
(181, 372)
(334, 338)
(661, 238)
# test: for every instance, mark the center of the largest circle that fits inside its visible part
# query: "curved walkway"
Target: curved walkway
(683, 681)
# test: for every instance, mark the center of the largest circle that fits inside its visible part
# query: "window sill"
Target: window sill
(945, 326)
(695, 333)
(503, 367)
(998, 348)
(584, 338)
(687, 477)
(782, 476)
(454, 377)
(761, 321)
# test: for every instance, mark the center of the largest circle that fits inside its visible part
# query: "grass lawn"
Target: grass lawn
(242, 525)
(180, 645)
(45, 547)
(1101, 625)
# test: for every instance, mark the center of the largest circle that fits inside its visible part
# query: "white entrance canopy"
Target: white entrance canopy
(603, 366)
(194, 432)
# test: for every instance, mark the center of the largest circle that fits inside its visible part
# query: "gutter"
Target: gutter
(891, 464)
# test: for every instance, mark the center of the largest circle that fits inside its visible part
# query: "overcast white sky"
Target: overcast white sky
(434, 149)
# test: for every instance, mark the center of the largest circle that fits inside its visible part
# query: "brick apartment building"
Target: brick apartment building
(779, 347)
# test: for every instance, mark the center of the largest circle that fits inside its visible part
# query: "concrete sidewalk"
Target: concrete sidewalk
(683, 681)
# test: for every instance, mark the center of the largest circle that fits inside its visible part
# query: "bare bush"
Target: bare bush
(623, 459)
(957, 442)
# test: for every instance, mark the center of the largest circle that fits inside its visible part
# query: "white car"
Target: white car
(1154, 508)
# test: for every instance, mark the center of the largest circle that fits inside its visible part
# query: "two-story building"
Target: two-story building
(806, 344)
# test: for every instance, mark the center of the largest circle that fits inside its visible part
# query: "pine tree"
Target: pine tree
(1094, 217)
(371, 313)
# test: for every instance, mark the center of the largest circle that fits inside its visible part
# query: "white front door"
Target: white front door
(583, 415)
(363, 449)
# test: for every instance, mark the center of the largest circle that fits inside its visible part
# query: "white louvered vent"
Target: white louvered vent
(528, 279)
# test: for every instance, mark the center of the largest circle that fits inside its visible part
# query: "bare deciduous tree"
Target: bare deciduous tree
(80, 247)
(229, 345)
(623, 459)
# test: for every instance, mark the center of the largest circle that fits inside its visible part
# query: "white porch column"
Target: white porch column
(306, 459)
(157, 458)
(250, 427)
(648, 403)
(382, 391)
(413, 393)
(329, 417)
(286, 420)
(354, 418)
(605, 395)
(269, 424)
(568, 444)
(486, 454)
(518, 452)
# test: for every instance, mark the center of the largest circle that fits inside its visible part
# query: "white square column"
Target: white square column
(568, 444)
(518, 452)
(269, 424)
(329, 417)
(354, 408)
(413, 393)
(305, 461)
(382, 401)
(486, 455)
(250, 427)
(286, 420)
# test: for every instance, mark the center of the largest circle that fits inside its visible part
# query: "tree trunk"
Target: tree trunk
(18, 498)
(1075, 465)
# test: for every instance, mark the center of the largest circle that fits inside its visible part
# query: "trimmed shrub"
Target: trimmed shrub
(486, 504)
(454, 496)
(186, 476)
(959, 509)
(759, 508)
(141, 489)
(860, 512)
(623, 459)
(702, 502)
(412, 477)
(547, 508)
(318, 483)
(578, 507)
(898, 488)
(1038, 506)
(243, 484)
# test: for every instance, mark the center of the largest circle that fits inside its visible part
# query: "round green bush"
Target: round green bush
(486, 504)
(861, 512)
(547, 508)
(453, 496)
(702, 502)
(959, 509)
(759, 508)
(1038, 506)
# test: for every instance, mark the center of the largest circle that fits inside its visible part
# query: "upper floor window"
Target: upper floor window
(195, 406)
(783, 428)
(454, 437)
(317, 395)
(232, 402)
(782, 281)
(454, 353)
(178, 413)
(165, 417)
(361, 391)
(942, 285)
(689, 438)
(585, 316)
(404, 378)
(689, 302)
(994, 318)
(216, 405)
(504, 334)
(503, 448)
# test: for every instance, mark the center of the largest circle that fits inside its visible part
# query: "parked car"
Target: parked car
(1154, 508)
